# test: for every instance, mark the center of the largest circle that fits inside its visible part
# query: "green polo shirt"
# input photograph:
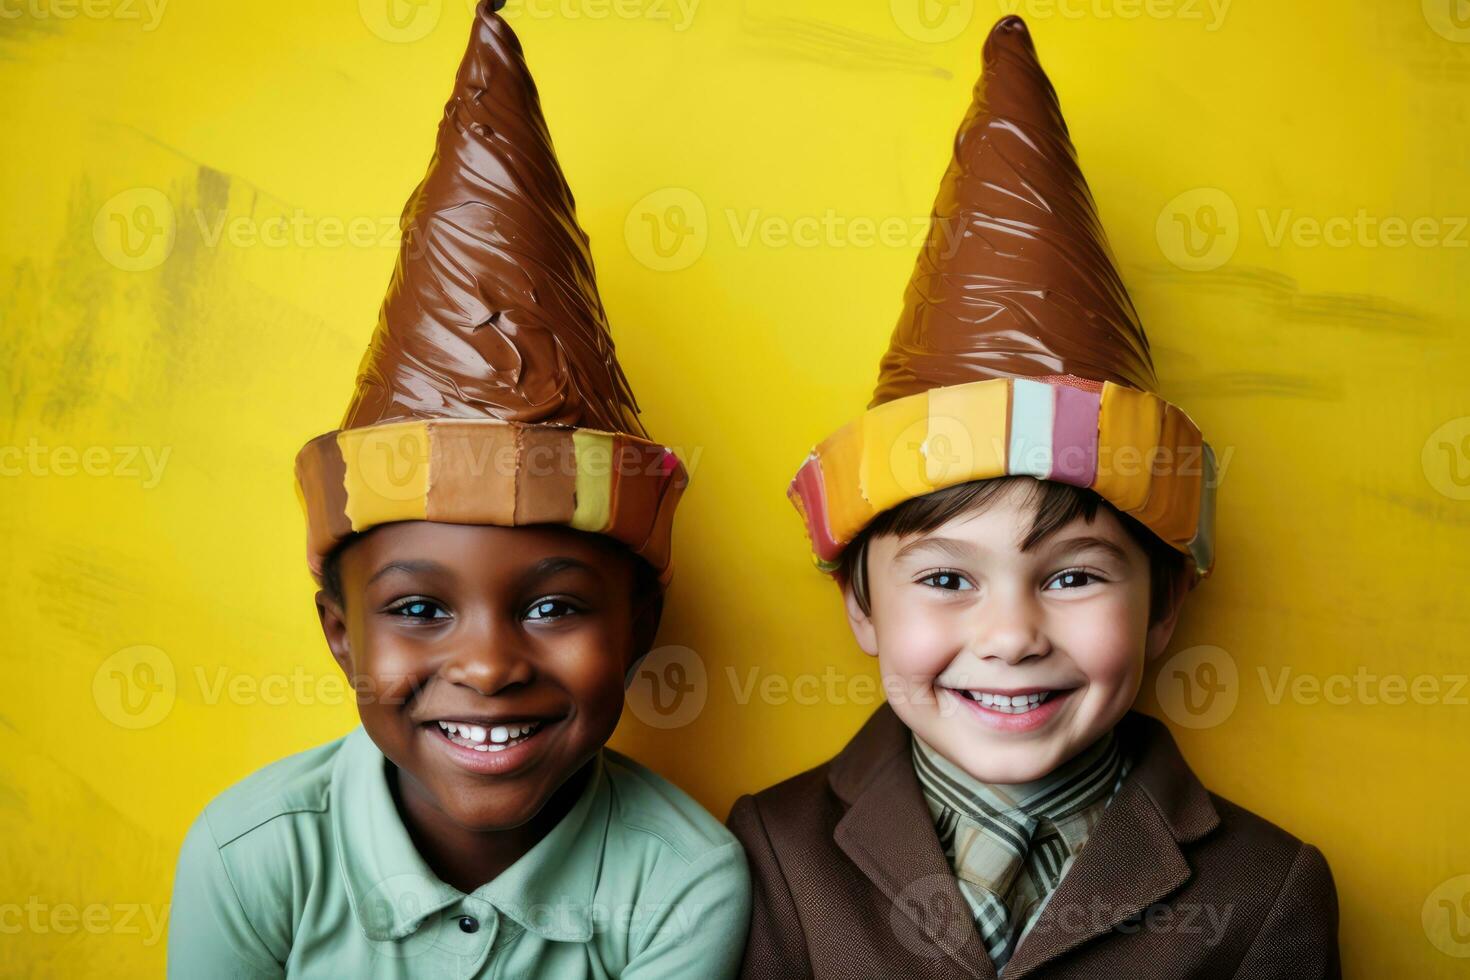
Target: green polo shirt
(305, 869)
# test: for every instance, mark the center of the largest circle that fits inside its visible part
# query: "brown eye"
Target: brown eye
(547, 609)
(1074, 578)
(946, 581)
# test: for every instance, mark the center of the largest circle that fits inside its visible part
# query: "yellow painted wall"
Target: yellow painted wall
(198, 204)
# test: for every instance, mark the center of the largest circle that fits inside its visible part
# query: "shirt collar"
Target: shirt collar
(1078, 784)
(549, 891)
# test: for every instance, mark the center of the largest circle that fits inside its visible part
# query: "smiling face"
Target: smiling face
(489, 661)
(1010, 662)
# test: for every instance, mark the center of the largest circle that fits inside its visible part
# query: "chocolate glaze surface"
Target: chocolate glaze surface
(1016, 278)
(493, 309)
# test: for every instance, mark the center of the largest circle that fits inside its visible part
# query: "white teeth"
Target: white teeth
(1010, 704)
(495, 739)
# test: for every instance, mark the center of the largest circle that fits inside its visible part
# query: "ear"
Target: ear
(859, 622)
(334, 628)
(1162, 631)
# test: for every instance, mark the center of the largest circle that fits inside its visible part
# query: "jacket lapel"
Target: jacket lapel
(888, 833)
(1132, 858)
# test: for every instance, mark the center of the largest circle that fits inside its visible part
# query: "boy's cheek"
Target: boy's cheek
(1105, 649)
(911, 643)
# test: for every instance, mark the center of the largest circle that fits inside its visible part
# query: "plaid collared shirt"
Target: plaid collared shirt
(1009, 845)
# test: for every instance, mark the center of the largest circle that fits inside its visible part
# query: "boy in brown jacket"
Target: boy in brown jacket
(1015, 523)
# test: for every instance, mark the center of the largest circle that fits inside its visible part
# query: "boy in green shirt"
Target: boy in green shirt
(490, 528)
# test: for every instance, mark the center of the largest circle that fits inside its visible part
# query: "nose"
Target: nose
(1010, 629)
(489, 657)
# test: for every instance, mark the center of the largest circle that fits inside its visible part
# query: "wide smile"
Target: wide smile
(491, 747)
(1014, 710)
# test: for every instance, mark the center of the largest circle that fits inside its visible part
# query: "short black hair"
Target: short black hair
(1057, 505)
(332, 566)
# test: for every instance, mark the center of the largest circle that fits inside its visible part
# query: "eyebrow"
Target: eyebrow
(963, 551)
(953, 547)
(1084, 542)
(411, 566)
(543, 569)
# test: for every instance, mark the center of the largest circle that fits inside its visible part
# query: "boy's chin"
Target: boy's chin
(484, 816)
(995, 759)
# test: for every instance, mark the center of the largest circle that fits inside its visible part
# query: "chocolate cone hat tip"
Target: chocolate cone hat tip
(1016, 278)
(1009, 25)
(493, 310)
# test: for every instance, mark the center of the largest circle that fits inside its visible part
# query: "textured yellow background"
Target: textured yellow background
(198, 206)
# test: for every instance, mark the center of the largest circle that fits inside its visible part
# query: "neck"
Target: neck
(465, 858)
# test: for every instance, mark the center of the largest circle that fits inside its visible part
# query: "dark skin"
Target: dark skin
(486, 625)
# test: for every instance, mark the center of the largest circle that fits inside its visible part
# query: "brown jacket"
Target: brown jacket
(850, 880)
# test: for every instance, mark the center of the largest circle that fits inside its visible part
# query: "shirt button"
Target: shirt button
(468, 923)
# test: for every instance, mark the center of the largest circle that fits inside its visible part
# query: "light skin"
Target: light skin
(962, 620)
(486, 628)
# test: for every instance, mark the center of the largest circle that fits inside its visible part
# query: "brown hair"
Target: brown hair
(1057, 505)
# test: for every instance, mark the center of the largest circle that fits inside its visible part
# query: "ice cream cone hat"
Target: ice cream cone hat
(490, 392)
(1018, 351)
